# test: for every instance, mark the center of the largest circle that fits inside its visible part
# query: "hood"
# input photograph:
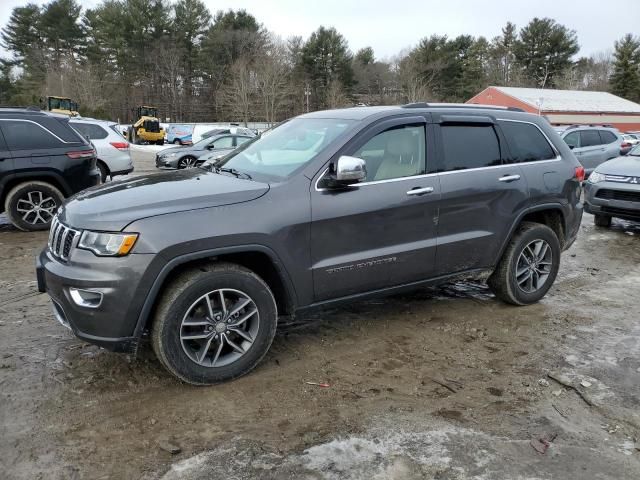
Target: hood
(628, 165)
(112, 206)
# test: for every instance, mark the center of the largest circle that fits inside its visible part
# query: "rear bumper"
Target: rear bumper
(122, 172)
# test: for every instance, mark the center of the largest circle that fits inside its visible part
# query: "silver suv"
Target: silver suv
(112, 149)
(594, 145)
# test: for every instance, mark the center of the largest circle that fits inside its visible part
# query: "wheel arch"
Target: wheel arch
(262, 260)
(551, 215)
(47, 177)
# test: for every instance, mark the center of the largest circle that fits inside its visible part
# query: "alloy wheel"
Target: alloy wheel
(219, 327)
(187, 162)
(534, 266)
(36, 208)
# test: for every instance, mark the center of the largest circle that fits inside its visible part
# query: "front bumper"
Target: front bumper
(612, 205)
(167, 163)
(112, 324)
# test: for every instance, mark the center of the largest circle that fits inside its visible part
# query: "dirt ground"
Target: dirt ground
(445, 383)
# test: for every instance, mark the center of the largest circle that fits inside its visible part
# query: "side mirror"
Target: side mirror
(347, 171)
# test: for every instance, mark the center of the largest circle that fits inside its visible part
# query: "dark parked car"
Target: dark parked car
(613, 189)
(42, 161)
(328, 207)
(189, 157)
(229, 130)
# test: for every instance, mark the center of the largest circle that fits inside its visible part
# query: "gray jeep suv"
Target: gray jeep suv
(329, 207)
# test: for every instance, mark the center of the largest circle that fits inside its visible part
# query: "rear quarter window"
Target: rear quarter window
(608, 137)
(589, 138)
(526, 143)
(94, 132)
(469, 146)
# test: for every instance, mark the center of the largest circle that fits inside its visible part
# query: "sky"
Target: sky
(379, 24)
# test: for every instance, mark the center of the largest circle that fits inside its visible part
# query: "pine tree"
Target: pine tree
(625, 80)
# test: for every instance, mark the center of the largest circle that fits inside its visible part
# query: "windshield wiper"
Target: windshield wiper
(232, 171)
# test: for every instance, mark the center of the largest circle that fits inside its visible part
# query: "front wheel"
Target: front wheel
(214, 324)
(529, 265)
(187, 162)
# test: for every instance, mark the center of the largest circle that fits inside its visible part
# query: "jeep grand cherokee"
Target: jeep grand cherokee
(329, 207)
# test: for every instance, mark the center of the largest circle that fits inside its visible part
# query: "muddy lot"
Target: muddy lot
(444, 383)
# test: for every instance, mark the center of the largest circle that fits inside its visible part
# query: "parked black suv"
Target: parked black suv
(330, 206)
(42, 161)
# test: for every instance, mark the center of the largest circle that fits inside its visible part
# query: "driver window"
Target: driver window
(224, 142)
(395, 153)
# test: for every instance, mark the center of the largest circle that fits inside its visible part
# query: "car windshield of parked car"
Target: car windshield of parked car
(286, 148)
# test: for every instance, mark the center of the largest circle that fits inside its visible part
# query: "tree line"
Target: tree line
(198, 66)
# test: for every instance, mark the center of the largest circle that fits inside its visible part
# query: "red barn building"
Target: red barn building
(566, 107)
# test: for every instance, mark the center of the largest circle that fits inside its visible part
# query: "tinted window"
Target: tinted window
(3, 146)
(394, 153)
(224, 142)
(27, 136)
(469, 146)
(573, 139)
(589, 138)
(89, 130)
(526, 142)
(608, 137)
(241, 140)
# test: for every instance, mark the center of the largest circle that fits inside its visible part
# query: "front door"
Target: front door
(381, 232)
(481, 197)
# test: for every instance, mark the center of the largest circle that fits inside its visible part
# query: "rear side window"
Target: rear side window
(526, 142)
(224, 142)
(94, 132)
(589, 138)
(3, 145)
(27, 136)
(469, 146)
(608, 137)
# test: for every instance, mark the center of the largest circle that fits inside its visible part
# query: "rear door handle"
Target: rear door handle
(420, 191)
(509, 178)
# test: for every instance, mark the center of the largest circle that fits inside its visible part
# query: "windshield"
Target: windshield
(288, 147)
(148, 112)
(59, 103)
(635, 151)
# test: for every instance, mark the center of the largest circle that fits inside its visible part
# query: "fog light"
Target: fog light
(85, 298)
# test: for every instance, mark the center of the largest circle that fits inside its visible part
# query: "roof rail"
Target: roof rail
(460, 105)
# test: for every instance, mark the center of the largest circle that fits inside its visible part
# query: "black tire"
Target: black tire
(104, 171)
(503, 281)
(182, 163)
(177, 142)
(160, 142)
(178, 299)
(602, 220)
(40, 194)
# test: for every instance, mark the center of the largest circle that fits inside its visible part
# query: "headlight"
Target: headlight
(167, 155)
(108, 244)
(596, 177)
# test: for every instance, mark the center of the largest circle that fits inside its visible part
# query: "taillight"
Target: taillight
(625, 145)
(81, 154)
(579, 175)
(120, 145)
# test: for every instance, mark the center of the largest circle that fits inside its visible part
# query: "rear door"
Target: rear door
(6, 163)
(592, 152)
(611, 143)
(481, 196)
(381, 232)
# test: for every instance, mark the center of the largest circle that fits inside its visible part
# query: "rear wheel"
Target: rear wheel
(177, 142)
(160, 142)
(32, 205)
(602, 220)
(214, 324)
(104, 171)
(187, 162)
(528, 267)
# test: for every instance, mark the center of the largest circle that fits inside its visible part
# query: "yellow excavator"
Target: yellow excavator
(63, 105)
(146, 128)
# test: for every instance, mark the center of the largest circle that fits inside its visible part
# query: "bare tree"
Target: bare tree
(273, 72)
(239, 92)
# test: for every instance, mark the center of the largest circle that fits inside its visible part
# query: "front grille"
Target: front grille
(151, 126)
(621, 211)
(61, 239)
(623, 195)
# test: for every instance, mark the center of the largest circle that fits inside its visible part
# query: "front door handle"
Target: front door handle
(420, 191)
(509, 178)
